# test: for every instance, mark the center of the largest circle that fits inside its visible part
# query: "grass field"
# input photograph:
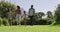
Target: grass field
(35, 28)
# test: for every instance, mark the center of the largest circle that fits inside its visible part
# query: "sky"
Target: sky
(39, 5)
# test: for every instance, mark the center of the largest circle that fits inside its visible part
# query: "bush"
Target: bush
(37, 22)
(23, 21)
(5, 22)
(14, 22)
(1, 20)
(42, 22)
(51, 21)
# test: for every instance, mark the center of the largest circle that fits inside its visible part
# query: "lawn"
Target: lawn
(35, 28)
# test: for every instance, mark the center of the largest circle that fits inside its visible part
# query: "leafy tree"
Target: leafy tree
(57, 14)
(1, 21)
(49, 14)
(41, 14)
(36, 17)
(50, 18)
(4, 7)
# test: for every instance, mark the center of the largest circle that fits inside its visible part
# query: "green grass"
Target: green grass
(35, 28)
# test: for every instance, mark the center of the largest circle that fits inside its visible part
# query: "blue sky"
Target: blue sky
(39, 5)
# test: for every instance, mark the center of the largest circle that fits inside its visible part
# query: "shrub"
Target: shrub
(42, 22)
(51, 21)
(14, 22)
(23, 21)
(1, 20)
(5, 22)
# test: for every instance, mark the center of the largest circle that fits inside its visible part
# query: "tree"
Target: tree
(57, 14)
(4, 7)
(50, 18)
(41, 14)
(49, 14)
(36, 17)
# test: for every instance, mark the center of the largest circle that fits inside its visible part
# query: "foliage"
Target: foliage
(5, 22)
(49, 14)
(57, 14)
(1, 21)
(41, 14)
(50, 18)
(38, 16)
(51, 21)
(5, 7)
